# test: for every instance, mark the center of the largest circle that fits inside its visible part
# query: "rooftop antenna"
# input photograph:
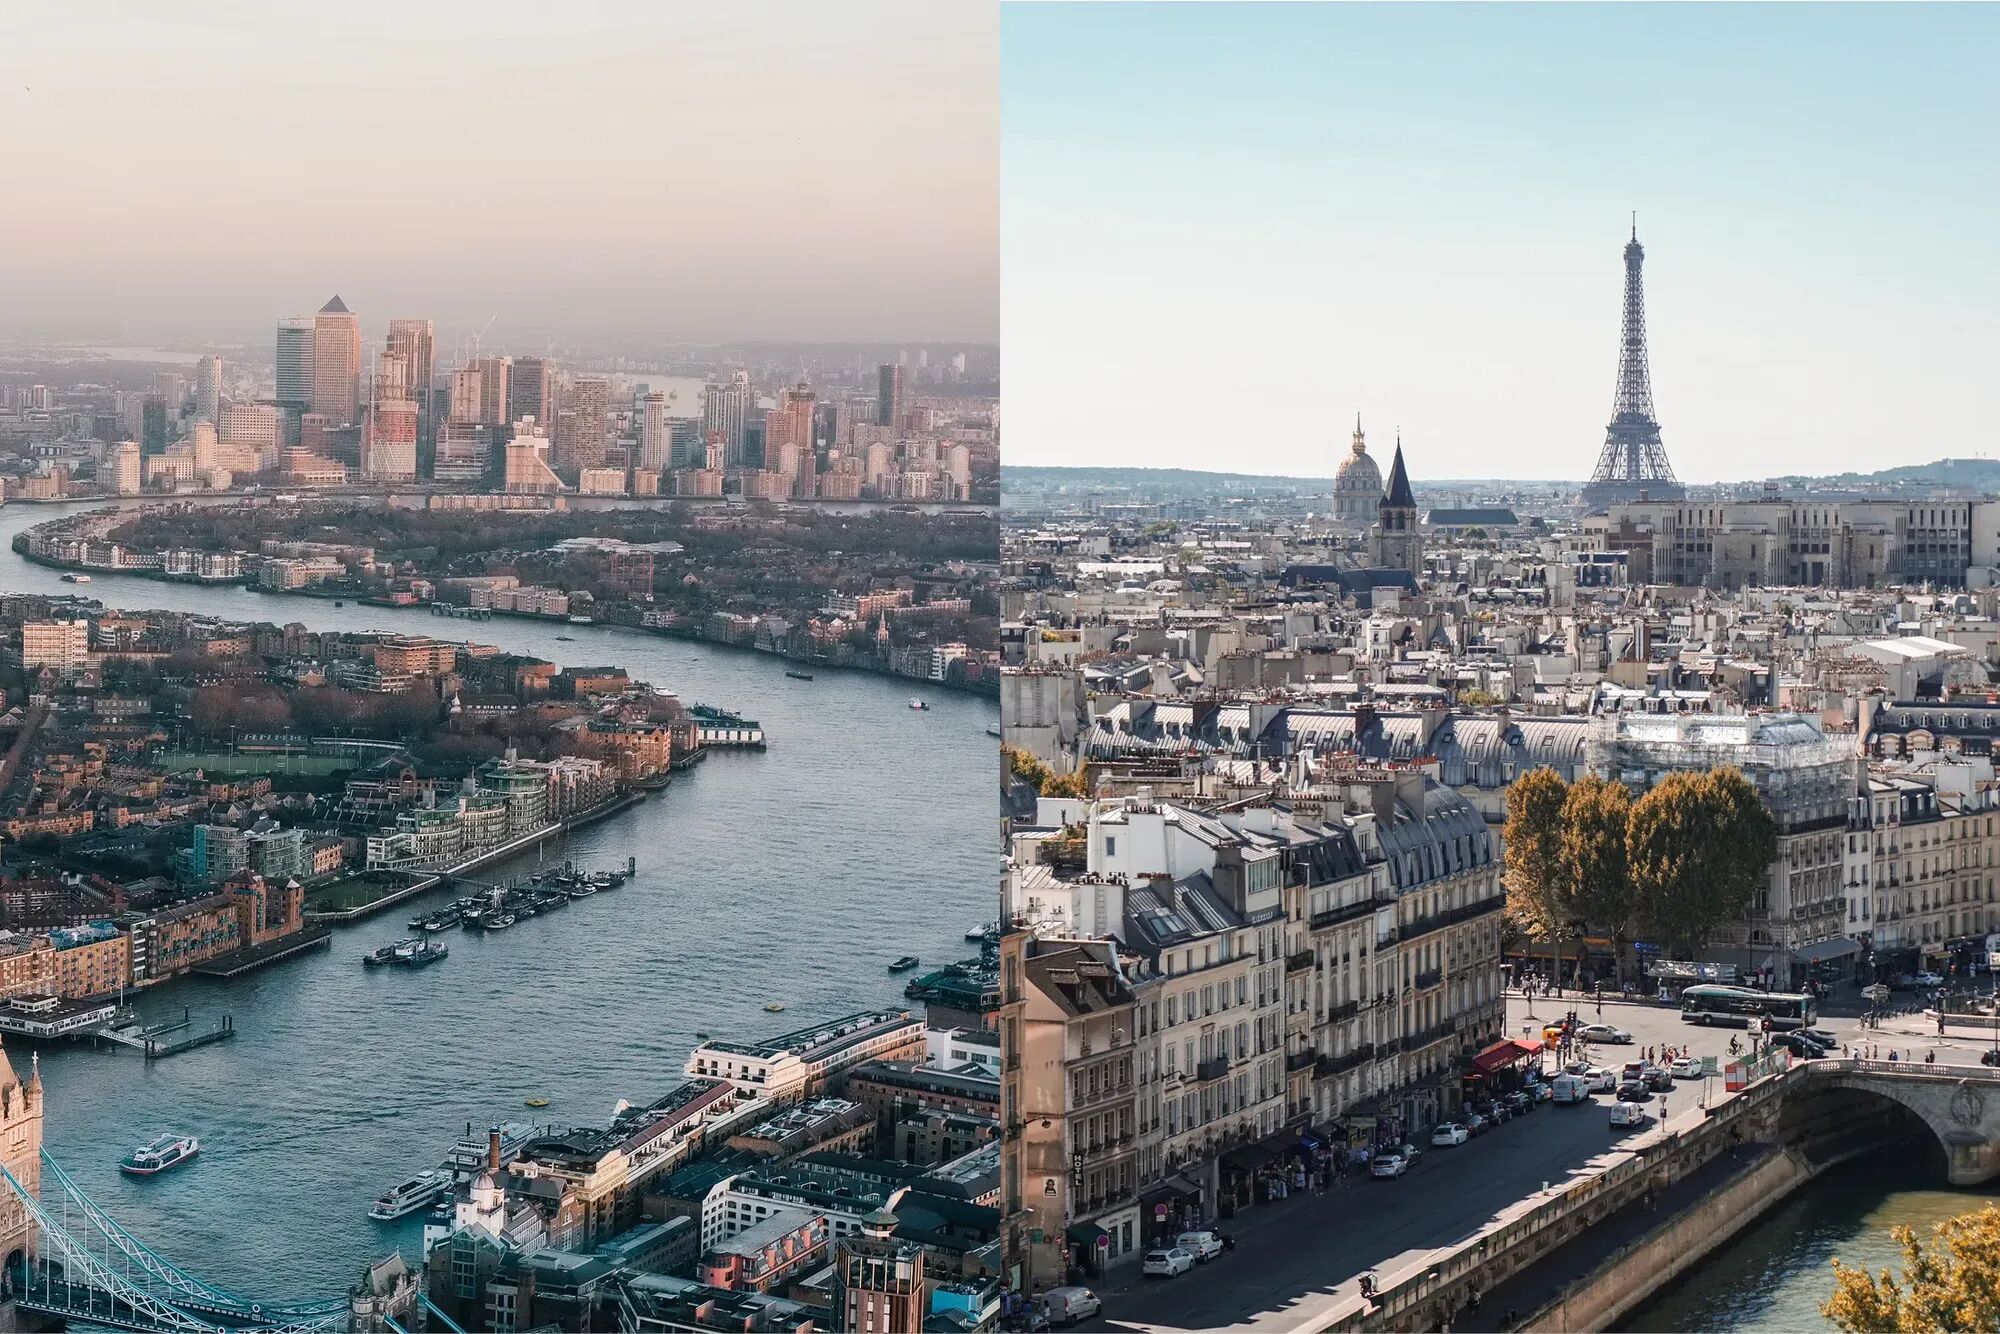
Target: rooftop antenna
(1635, 224)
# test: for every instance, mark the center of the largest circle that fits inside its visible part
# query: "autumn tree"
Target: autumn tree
(1533, 861)
(1596, 885)
(1699, 844)
(1948, 1285)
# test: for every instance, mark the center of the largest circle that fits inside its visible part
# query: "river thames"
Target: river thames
(866, 831)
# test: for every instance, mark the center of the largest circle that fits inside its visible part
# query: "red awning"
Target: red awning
(1528, 1046)
(1497, 1055)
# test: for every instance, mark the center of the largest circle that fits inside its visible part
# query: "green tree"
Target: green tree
(1698, 845)
(1533, 860)
(1950, 1285)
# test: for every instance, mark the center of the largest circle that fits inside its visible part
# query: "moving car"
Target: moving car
(1389, 1165)
(1819, 1035)
(1658, 1080)
(1168, 1263)
(1604, 1033)
(1577, 1068)
(1687, 1067)
(1626, 1115)
(1800, 1046)
(1203, 1246)
(1927, 979)
(1067, 1305)
(1449, 1136)
(1571, 1089)
(1633, 1090)
(1602, 1080)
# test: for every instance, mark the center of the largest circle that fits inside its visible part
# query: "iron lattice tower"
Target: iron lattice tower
(1634, 462)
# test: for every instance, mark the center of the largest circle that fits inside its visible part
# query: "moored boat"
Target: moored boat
(158, 1154)
(982, 932)
(500, 922)
(904, 964)
(800, 676)
(407, 1197)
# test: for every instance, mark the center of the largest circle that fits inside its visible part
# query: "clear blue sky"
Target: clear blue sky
(1225, 229)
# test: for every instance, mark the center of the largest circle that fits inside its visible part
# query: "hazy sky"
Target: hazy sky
(1227, 229)
(713, 170)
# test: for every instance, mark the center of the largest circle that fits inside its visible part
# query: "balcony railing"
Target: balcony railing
(1299, 962)
(1299, 1060)
(1437, 921)
(1341, 1064)
(1215, 1067)
(1429, 978)
(1344, 1010)
(1352, 912)
(1425, 1037)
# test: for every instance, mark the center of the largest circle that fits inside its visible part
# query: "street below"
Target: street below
(1298, 1257)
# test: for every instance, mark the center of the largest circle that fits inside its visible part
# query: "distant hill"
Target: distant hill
(1976, 474)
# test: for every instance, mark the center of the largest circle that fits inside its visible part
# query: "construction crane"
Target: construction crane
(480, 337)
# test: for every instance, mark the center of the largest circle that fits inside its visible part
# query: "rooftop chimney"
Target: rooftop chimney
(493, 1150)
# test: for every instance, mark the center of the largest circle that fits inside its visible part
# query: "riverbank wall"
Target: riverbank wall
(1621, 1282)
(1431, 1295)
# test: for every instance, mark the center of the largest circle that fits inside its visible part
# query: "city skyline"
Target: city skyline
(606, 237)
(1433, 237)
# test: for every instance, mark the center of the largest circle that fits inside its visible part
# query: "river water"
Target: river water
(1774, 1276)
(866, 831)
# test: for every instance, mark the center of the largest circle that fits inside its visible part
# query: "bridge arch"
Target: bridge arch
(1950, 1115)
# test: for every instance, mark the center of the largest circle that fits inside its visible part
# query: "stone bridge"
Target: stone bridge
(1960, 1104)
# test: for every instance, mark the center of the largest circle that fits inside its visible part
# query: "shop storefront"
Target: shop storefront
(1170, 1208)
(1826, 963)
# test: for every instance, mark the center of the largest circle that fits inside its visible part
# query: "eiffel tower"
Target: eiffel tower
(1634, 463)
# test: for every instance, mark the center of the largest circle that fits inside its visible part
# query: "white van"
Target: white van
(1068, 1305)
(1570, 1089)
(1203, 1246)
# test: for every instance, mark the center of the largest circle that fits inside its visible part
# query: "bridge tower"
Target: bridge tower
(21, 1152)
(1633, 463)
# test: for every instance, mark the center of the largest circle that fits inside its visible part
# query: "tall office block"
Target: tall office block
(336, 382)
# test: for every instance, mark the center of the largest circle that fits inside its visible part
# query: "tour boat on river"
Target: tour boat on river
(159, 1154)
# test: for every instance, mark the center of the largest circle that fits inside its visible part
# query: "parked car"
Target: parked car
(1068, 1305)
(1687, 1067)
(1168, 1263)
(1410, 1153)
(1475, 1123)
(1389, 1165)
(1634, 1090)
(1627, 1115)
(1541, 1090)
(1519, 1102)
(1493, 1111)
(1604, 1033)
(1449, 1136)
(1203, 1246)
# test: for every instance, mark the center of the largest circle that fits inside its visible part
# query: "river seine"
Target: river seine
(794, 876)
(1774, 1276)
